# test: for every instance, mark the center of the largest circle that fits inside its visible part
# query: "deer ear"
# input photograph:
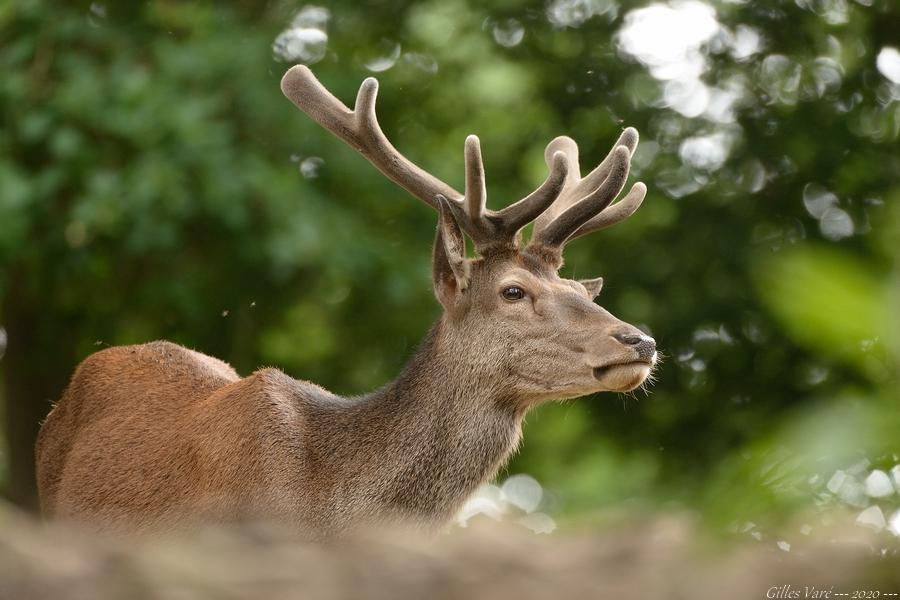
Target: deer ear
(449, 266)
(593, 286)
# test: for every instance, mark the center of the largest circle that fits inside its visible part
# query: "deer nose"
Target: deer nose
(644, 345)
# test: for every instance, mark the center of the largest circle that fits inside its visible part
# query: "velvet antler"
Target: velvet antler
(359, 128)
(586, 203)
(565, 206)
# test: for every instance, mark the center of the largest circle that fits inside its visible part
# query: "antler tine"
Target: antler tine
(476, 190)
(569, 149)
(492, 229)
(576, 186)
(583, 205)
(364, 107)
(518, 215)
(616, 213)
(629, 139)
(562, 227)
(359, 128)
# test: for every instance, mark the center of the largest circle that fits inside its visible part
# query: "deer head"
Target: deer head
(508, 315)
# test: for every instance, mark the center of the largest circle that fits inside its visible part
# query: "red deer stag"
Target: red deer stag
(155, 436)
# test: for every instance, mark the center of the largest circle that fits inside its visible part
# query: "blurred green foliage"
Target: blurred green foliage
(154, 183)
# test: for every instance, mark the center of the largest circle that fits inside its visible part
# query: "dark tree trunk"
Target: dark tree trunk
(35, 368)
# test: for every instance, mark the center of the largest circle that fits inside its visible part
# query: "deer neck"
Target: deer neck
(427, 440)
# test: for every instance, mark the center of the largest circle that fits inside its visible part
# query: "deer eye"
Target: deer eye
(512, 293)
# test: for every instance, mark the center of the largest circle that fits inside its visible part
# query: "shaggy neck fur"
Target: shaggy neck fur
(416, 449)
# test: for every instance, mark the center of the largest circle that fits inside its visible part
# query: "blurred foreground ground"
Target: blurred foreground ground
(657, 558)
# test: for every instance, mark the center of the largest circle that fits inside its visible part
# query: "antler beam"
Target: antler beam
(359, 128)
